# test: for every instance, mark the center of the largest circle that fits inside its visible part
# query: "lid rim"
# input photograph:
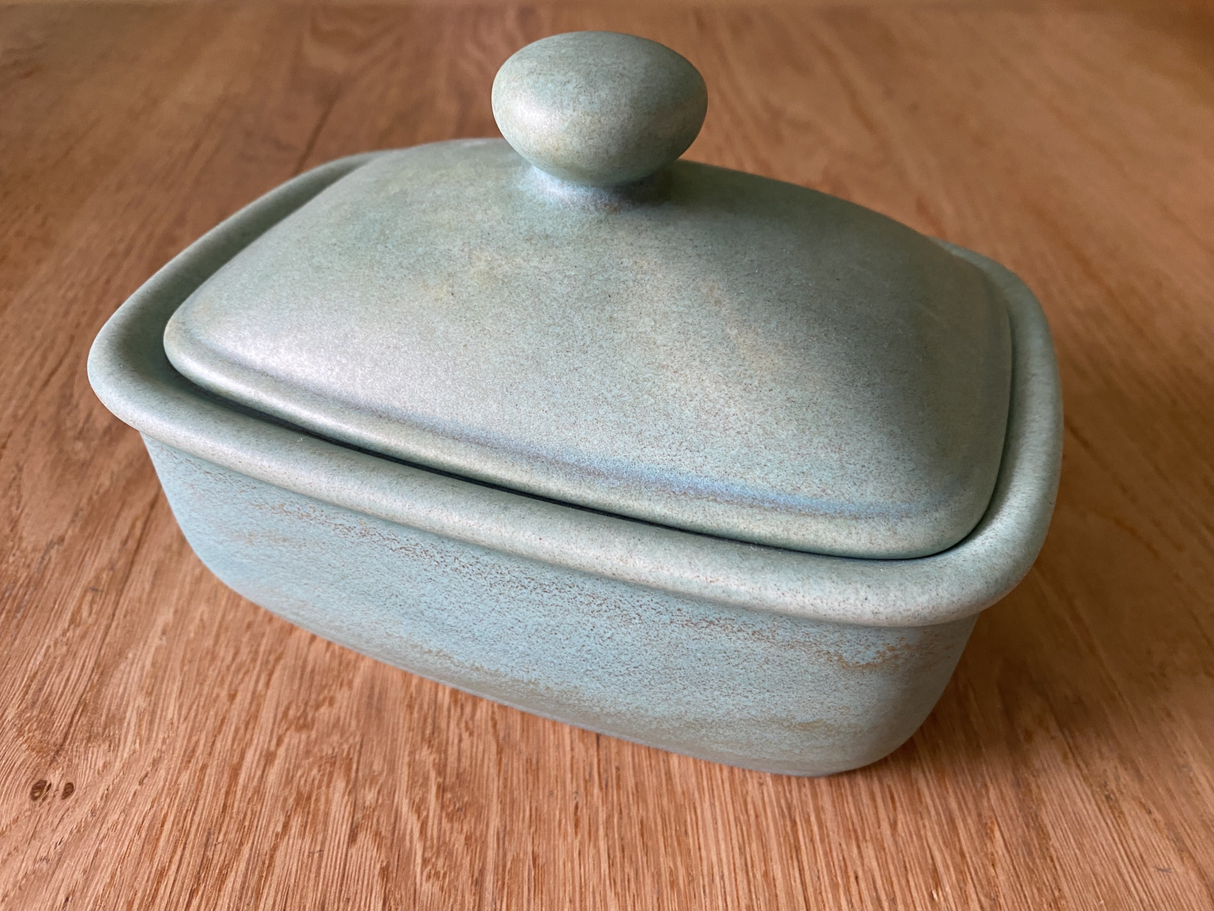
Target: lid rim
(296, 413)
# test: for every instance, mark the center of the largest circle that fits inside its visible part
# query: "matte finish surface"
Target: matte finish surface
(599, 108)
(131, 373)
(166, 744)
(599, 571)
(749, 688)
(731, 355)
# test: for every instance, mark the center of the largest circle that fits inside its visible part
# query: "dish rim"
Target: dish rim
(131, 374)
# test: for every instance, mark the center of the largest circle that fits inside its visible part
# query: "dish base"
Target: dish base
(749, 688)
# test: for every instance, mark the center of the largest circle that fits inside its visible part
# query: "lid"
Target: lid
(578, 316)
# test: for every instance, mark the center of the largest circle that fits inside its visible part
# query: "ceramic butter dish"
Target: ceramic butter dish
(689, 456)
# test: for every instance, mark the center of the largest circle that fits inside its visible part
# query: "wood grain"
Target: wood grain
(165, 744)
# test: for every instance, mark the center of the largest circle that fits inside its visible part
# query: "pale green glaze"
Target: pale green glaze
(332, 538)
(754, 655)
(734, 356)
(750, 688)
(711, 351)
(599, 108)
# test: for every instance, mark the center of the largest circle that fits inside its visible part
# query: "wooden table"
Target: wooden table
(165, 744)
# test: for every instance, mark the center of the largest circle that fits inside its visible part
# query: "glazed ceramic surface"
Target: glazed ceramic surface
(599, 108)
(737, 356)
(828, 381)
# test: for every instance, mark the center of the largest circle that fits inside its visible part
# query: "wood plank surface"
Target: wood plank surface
(166, 744)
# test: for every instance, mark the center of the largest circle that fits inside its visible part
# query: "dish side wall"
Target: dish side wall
(750, 688)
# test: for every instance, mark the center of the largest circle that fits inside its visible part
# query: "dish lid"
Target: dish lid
(578, 316)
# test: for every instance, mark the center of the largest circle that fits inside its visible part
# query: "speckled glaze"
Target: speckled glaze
(761, 656)
(752, 688)
(599, 108)
(734, 356)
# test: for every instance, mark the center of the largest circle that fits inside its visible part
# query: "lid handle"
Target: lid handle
(599, 108)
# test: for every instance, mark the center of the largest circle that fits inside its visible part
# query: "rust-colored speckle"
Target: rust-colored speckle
(894, 653)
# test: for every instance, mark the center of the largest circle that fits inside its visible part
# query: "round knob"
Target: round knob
(599, 108)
